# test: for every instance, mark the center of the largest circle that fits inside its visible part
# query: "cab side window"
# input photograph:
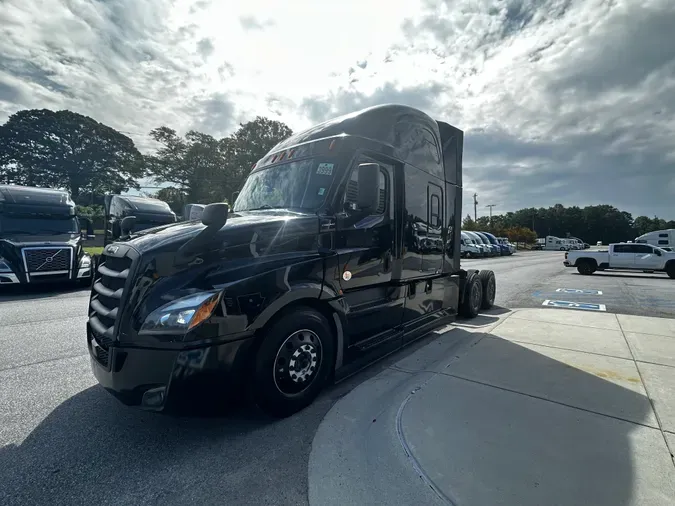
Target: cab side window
(643, 250)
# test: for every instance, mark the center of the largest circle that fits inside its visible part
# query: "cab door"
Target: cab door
(623, 256)
(646, 257)
(366, 249)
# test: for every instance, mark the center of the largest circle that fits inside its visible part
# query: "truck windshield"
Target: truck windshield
(32, 225)
(299, 184)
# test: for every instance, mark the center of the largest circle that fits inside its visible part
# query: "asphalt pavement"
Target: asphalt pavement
(63, 440)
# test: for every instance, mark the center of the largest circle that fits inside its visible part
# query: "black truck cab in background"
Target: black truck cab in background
(41, 238)
(148, 213)
(342, 246)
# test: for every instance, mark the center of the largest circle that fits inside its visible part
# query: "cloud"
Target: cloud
(9, 93)
(252, 23)
(214, 114)
(565, 101)
(122, 62)
(568, 102)
(205, 47)
(343, 101)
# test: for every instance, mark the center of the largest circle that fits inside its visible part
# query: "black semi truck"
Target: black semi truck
(41, 238)
(342, 246)
(147, 213)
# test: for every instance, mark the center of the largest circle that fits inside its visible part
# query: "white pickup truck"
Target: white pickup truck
(629, 256)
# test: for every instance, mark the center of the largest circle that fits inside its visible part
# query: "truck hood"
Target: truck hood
(25, 240)
(15, 243)
(251, 227)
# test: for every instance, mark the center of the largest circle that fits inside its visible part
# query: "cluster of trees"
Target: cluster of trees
(591, 223)
(63, 149)
(203, 169)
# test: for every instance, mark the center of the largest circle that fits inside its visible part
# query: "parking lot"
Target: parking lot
(63, 440)
(529, 278)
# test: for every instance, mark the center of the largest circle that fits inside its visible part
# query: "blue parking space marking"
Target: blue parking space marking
(586, 306)
(576, 291)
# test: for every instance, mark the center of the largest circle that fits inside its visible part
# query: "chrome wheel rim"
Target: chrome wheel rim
(297, 362)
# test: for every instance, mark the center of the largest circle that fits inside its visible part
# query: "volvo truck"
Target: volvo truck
(41, 237)
(342, 246)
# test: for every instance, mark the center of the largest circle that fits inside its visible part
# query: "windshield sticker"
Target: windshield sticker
(325, 169)
(322, 191)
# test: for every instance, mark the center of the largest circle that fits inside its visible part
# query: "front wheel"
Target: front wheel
(670, 270)
(293, 362)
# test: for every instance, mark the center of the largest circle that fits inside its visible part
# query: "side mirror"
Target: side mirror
(657, 252)
(368, 198)
(234, 198)
(116, 229)
(90, 229)
(127, 224)
(215, 215)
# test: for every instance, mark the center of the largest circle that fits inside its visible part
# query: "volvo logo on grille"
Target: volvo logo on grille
(112, 249)
(45, 260)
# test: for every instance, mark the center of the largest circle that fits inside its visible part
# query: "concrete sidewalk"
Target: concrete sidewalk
(529, 407)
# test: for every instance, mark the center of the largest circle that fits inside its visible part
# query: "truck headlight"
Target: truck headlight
(4, 265)
(181, 315)
(85, 262)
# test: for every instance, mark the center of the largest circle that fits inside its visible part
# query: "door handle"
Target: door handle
(387, 261)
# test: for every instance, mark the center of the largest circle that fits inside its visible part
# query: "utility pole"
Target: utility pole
(491, 206)
(475, 205)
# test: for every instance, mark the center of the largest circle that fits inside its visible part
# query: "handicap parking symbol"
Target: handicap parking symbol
(578, 292)
(586, 306)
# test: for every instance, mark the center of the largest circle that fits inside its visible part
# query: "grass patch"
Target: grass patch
(94, 250)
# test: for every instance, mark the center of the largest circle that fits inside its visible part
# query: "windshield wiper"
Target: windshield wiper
(265, 206)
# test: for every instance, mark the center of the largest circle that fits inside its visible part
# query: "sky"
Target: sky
(561, 101)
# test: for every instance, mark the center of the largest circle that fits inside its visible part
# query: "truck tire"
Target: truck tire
(473, 298)
(585, 267)
(670, 270)
(487, 279)
(293, 362)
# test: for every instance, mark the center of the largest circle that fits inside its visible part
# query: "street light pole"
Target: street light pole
(475, 205)
(491, 206)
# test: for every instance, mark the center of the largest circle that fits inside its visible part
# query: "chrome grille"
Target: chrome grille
(46, 260)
